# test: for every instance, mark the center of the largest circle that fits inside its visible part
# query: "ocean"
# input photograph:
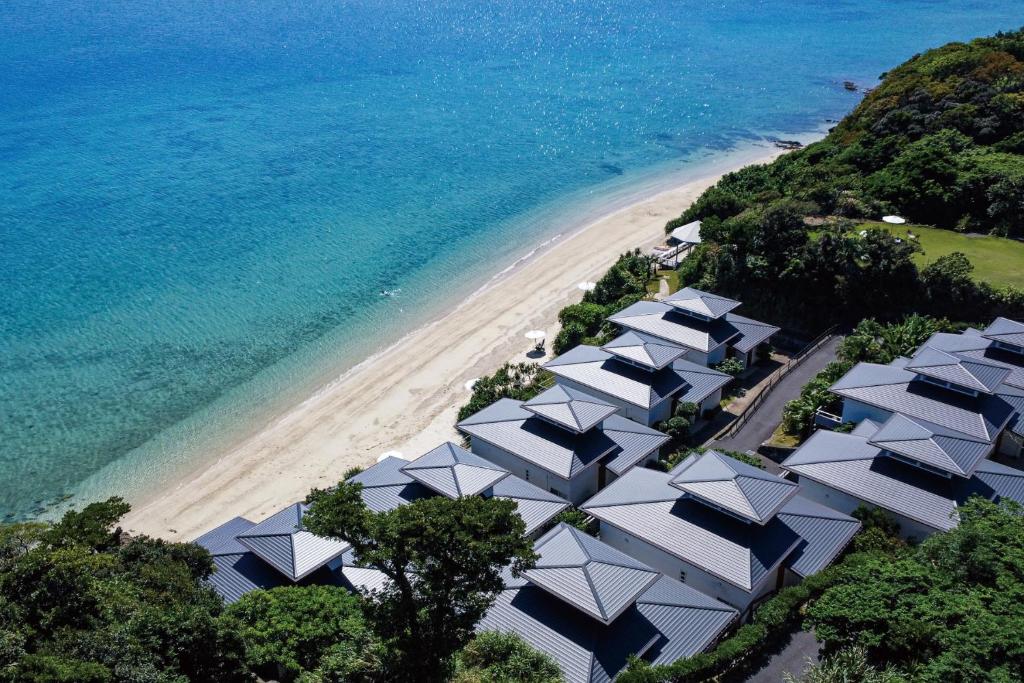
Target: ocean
(206, 209)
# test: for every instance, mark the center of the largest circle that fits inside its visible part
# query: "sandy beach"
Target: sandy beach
(406, 397)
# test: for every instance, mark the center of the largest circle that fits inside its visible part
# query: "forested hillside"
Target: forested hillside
(940, 141)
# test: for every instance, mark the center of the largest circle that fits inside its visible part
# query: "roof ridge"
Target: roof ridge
(593, 590)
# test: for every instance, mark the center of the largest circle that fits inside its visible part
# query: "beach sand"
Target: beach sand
(406, 397)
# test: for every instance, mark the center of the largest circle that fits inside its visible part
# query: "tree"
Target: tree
(289, 631)
(443, 559)
(519, 381)
(846, 666)
(951, 609)
(730, 366)
(494, 657)
(80, 603)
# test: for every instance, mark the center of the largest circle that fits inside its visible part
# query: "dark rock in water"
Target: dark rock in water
(612, 168)
(831, 120)
(787, 144)
(850, 85)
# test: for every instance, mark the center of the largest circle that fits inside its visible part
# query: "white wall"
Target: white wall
(672, 566)
(711, 402)
(855, 411)
(844, 502)
(582, 487)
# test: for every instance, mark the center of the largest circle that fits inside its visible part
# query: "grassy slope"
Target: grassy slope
(997, 260)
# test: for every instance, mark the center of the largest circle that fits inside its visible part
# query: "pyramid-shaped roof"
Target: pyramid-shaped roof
(971, 373)
(644, 350)
(282, 542)
(702, 303)
(1006, 331)
(588, 574)
(454, 472)
(931, 444)
(734, 486)
(689, 233)
(570, 408)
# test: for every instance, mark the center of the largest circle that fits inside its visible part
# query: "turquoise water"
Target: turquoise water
(200, 203)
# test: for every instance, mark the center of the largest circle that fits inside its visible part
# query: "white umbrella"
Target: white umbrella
(390, 454)
(587, 286)
(536, 334)
(470, 383)
(895, 220)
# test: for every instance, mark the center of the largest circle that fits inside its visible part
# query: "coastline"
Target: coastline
(405, 398)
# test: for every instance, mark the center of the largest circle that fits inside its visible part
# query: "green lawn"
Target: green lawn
(997, 260)
(673, 281)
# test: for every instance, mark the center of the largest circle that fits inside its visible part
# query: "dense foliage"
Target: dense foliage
(941, 140)
(504, 658)
(950, 610)
(317, 632)
(624, 284)
(443, 558)
(871, 342)
(81, 602)
(519, 381)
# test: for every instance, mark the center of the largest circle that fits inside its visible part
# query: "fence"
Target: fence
(773, 380)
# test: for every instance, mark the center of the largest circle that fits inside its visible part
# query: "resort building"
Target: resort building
(452, 471)
(845, 471)
(643, 376)
(701, 323)
(564, 441)
(279, 551)
(726, 528)
(926, 428)
(590, 607)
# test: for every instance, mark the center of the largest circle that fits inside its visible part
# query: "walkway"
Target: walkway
(767, 416)
(792, 659)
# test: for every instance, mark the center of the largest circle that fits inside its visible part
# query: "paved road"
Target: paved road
(792, 659)
(767, 417)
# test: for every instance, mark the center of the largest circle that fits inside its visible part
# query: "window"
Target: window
(527, 475)
(682, 576)
(556, 492)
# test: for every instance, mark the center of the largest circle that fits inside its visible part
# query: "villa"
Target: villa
(564, 441)
(726, 528)
(701, 323)
(590, 607)
(279, 551)
(643, 376)
(926, 428)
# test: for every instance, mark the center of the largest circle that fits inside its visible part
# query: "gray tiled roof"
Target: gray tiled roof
(236, 570)
(569, 408)
(644, 350)
(587, 574)
(982, 348)
(453, 471)
(536, 506)
(508, 426)
(699, 302)
(667, 622)
(1006, 331)
(931, 444)
(665, 322)
(734, 486)
(893, 388)
(971, 373)
(644, 504)
(603, 373)
(634, 442)
(386, 486)
(283, 543)
(849, 463)
(752, 332)
(825, 531)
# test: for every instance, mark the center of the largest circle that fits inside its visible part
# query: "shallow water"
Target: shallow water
(201, 203)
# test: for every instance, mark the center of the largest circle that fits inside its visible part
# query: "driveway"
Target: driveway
(768, 415)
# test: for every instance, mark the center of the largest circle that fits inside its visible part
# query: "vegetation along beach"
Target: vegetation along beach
(490, 342)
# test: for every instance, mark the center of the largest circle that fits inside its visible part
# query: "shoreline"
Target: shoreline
(400, 398)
